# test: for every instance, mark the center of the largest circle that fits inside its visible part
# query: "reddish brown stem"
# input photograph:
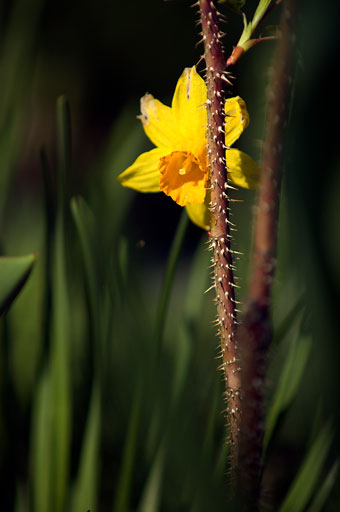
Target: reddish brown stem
(254, 334)
(220, 224)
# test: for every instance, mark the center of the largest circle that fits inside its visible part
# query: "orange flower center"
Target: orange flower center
(183, 178)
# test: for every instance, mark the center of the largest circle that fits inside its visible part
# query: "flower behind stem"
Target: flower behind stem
(178, 166)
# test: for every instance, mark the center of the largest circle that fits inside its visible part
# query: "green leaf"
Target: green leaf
(60, 329)
(324, 490)
(151, 496)
(85, 491)
(221, 463)
(184, 354)
(41, 443)
(52, 419)
(123, 490)
(289, 382)
(303, 486)
(85, 227)
(61, 376)
(260, 12)
(14, 272)
(169, 278)
(198, 283)
(250, 27)
(288, 320)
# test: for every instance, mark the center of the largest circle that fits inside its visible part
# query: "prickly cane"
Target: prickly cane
(254, 334)
(216, 79)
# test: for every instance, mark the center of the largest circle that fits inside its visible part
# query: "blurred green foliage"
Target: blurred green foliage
(109, 394)
(13, 275)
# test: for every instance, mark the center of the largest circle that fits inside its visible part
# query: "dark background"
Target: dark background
(104, 56)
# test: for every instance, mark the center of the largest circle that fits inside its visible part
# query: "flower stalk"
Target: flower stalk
(254, 333)
(220, 224)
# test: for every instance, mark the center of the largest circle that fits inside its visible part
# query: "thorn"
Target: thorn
(210, 288)
(223, 77)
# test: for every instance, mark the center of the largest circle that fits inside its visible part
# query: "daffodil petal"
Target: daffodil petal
(236, 119)
(243, 171)
(143, 175)
(189, 110)
(199, 214)
(158, 122)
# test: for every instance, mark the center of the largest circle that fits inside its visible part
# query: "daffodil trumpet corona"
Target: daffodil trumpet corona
(178, 165)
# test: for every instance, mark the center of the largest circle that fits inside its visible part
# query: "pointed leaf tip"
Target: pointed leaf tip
(14, 272)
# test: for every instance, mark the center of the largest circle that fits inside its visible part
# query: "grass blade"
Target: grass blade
(169, 277)
(123, 490)
(41, 443)
(49, 216)
(325, 489)
(198, 283)
(14, 272)
(60, 334)
(60, 367)
(183, 359)
(86, 487)
(303, 486)
(288, 382)
(83, 221)
(151, 496)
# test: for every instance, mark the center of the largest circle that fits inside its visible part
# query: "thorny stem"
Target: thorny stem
(220, 223)
(254, 334)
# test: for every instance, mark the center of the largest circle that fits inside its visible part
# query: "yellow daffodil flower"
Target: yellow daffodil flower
(178, 166)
